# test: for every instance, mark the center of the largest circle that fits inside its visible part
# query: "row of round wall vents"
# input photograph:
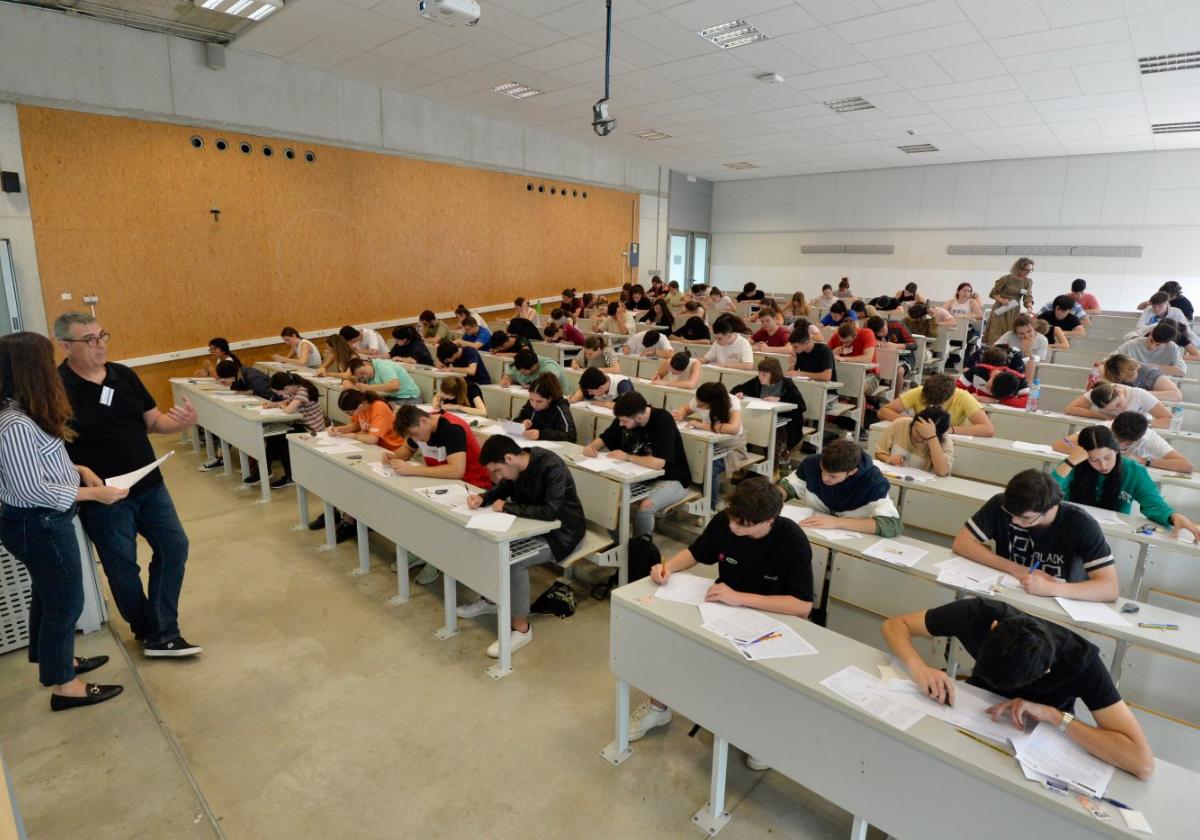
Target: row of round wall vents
(247, 149)
(542, 188)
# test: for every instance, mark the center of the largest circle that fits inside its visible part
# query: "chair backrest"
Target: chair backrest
(888, 360)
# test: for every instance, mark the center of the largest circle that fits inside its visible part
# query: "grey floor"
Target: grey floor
(317, 710)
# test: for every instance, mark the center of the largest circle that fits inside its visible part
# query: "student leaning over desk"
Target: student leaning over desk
(1138, 442)
(919, 442)
(845, 490)
(1096, 474)
(967, 416)
(1042, 668)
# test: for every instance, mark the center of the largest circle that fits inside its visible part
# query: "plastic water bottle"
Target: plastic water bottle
(1035, 391)
(1176, 418)
(1095, 377)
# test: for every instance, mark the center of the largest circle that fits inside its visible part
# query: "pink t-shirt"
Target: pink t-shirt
(1088, 301)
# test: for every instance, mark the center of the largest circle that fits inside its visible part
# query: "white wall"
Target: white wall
(1150, 199)
(691, 203)
(17, 226)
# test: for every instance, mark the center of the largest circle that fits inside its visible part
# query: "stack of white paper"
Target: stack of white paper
(539, 444)
(1092, 611)
(236, 399)
(756, 403)
(1052, 753)
(684, 589)
(796, 513)
(453, 496)
(602, 410)
(512, 429)
(906, 473)
(834, 533)
(962, 573)
(867, 692)
(1033, 447)
(491, 521)
(738, 624)
(382, 469)
(895, 552)
(969, 711)
(782, 643)
(1101, 515)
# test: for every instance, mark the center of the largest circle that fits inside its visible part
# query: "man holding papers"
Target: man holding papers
(1052, 548)
(764, 562)
(114, 414)
(1041, 666)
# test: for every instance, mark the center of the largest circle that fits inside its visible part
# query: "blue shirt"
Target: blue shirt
(470, 356)
(829, 322)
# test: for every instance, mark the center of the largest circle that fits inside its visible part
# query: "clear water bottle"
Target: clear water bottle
(1176, 418)
(1035, 391)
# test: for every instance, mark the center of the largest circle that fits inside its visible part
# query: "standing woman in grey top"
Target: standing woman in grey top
(39, 490)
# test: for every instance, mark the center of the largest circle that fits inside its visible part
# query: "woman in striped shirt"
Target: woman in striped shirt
(39, 491)
(296, 396)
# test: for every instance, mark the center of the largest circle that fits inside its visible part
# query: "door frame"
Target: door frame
(689, 265)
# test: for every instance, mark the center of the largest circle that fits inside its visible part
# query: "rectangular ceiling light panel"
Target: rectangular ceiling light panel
(735, 33)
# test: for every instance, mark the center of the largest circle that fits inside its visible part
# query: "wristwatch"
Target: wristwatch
(1067, 717)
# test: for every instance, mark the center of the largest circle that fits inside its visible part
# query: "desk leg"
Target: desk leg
(330, 528)
(244, 463)
(226, 457)
(402, 594)
(858, 831)
(195, 435)
(1118, 661)
(302, 504)
(624, 528)
(713, 816)
(363, 538)
(209, 452)
(504, 618)
(616, 752)
(1139, 572)
(822, 609)
(450, 596)
(264, 471)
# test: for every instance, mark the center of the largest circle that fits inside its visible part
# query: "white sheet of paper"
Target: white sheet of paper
(760, 404)
(450, 495)
(1101, 515)
(599, 464)
(271, 412)
(1033, 447)
(1092, 611)
(969, 711)
(684, 589)
(796, 513)
(539, 444)
(340, 449)
(836, 534)
(787, 643)
(602, 410)
(131, 478)
(907, 473)
(491, 521)
(1053, 754)
(865, 691)
(738, 624)
(1136, 820)
(382, 469)
(512, 429)
(895, 552)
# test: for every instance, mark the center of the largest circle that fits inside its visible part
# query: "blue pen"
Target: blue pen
(1035, 565)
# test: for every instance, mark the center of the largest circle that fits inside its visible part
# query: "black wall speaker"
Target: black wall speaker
(10, 182)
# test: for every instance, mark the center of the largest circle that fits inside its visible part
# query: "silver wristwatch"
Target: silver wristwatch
(1065, 722)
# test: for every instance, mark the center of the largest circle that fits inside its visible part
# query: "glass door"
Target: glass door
(677, 269)
(699, 273)
(10, 312)
(688, 258)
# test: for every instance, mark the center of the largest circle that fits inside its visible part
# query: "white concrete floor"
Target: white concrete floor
(317, 710)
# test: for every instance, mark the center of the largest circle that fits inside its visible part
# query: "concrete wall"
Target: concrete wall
(691, 204)
(1150, 199)
(73, 62)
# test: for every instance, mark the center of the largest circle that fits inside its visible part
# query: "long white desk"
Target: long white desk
(927, 782)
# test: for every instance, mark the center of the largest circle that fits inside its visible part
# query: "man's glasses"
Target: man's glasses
(1025, 521)
(91, 340)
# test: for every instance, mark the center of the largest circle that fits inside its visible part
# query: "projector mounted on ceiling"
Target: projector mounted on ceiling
(450, 12)
(602, 123)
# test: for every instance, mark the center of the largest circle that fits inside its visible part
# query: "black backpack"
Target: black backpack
(643, 555)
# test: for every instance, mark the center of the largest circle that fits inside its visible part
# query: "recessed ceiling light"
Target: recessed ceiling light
(652, 134)
(252, 9)
(516, 90)
(1175, 127)
(918, 147)
(741, 164)
(850, 103)
(735, 33)
(1168, 62)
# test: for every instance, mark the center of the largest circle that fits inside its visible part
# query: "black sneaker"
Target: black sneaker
(214, 464)
(317, 524)
(177, 647)
(345, 531)
(253, 478)
(281, 482)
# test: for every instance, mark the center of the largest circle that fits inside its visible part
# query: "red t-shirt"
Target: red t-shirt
(453, 435)
(864, 340)
(780, 339)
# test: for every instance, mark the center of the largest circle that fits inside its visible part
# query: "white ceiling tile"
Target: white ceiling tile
(1176, 31)
(821, 48)
(832, 11)
(322, 53)
(278, 40)
(523, 30)
(896, 104)
(956, 103)
(774, 57)
(557, 55)
(590, 71)
(718, 61)
(835, 76)
(318, 26)
(784, 21)
(583, 16)
(1094, 113)
(1123, 126)
(1012, 17)
(447, 89)
(1107, 77)
(345, 14)
(958, 89)
(1048, 84)
(867, 88)
(915, 42)
(969, 120)
(1071, 57)
(970, 61)
(701, 14)
(1075, 129)
(1183, 97)
(1105, 32)
(532, 8)
(671, 39)
(899, 21)
(1062, 13)
(416, 46)
(913, 71)
(458, 60)
(1020, 113)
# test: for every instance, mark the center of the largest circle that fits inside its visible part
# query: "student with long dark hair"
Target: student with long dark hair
(660, 315)
(40, 490)
(336, 361)
(301, 351)
(773, 386)
(714, 409)
(922, 442)
(218, 351)
(371, 420)
(547, 416)
(1096, 474)
(461, 394)
(296, 395)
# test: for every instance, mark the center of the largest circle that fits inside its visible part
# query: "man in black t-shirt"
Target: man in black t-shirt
(764, 562)
(812, 359)
(647, 437)
(113, 416)
(1041, 667)
(1061, 313)
(1053, 548)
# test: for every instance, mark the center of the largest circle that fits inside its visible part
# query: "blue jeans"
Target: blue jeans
(44, 541)
(153, 615)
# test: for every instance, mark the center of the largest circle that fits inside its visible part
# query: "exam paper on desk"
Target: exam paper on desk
(969, 711)
(898, 553)
(1033, 447)
(1052, 753)
(906, 473)
(491, 521)
(1101, 515)
(1093, 611)
(867, 692)
(683, 588)
(738, 624)
(782, 643)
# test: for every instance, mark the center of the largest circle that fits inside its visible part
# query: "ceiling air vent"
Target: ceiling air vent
(1169, 62)
(919, 147)
(1175, 128)
(850, 103)
(652, 134)
(741, 164)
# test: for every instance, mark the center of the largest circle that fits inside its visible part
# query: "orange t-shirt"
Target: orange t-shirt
(378, 419)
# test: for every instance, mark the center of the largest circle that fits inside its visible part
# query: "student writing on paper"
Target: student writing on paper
(1157, 349)
(1052, 548)
(365, 342)
(845, 490)
(301, 351)
(763, 561)
(547, 416)
(682, 370)
(693, 328)
(771, 385)
(811, 357)
(533, 483)
(386, 378)
(1095, 473)
(1137, 442)
(1025, 339)
(475, 335)
(336, 361)
(730, 348)
(1042, 667)
(714, 410)
(967, 416)
(295, 395)
(600, 388)
(463, 360)
(432, 329)
(1122, 370)
(372, 420)
(409, 347)
(596, 354)
(445, 444)
(920, 442)
(528, 366)
(461, 394)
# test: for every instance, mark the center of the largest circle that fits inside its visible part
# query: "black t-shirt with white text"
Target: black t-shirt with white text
(1068, 549)
(659, 438)
(779, 563)
(817, 360)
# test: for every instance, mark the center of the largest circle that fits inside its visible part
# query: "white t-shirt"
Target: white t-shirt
(1137, 399)
(734, 405)
(1151, 445)
(1040, 348)
(614, 380)
(372, 341)
(738, 351)
(307, 354)
(637, 342)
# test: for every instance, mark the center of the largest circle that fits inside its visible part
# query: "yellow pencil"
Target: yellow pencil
(984, 741)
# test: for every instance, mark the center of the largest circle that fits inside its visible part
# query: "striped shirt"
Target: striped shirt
(310, 411)
(35, 471)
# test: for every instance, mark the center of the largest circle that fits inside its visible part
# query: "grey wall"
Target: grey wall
(690, 204)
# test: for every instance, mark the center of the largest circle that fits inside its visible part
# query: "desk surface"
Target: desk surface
(207, 390)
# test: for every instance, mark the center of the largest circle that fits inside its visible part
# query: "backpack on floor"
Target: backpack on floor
(643, 554)
(558, 600)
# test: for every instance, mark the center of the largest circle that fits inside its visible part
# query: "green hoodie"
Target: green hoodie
(1136, 485)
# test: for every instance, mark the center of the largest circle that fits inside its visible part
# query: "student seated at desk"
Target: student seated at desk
(827, 298)
(838, 313)
(523, 328)
(1063, 312)
(596, 354)
(682, 370)
(673, 296)
(475, 335)
(536, 484)
(811, 357)
(522, 309)
(505, 344)
(851, 344)
(894, 335)
(461, 394)
(619, 321)
(1138, 442)
(909, 294)
(925, 320)
(1122, 370)
(445, 443)
(659, 314)
(843, 290)
(652, 343)
(967, 416)
(432, 329)
(964, 305)
(569, 302)
(795, 308)
(1106, 400)
(992, 383)
(244, 378)
(386, 378)
(1158, 309)
(730, 348)
(600, 388)
(717, 301)
(301, 351)
(637, 300)
(564, 333)
(365, 342)
(1055, 337)
(713, 409)
(547, 416)
(1157, 349)
(693, 329)
(771, 385)
(1052, 548)
(463, 360)
(646, 436)
(920, 442)
(751, 292)
(218, 351)
(336, 362)
(372, 420)
(294, 394)
(1041, 667)
(771, 333)
(845, 490)
(462, 312)
(528, 366)
(1086, 300)
(1096, 473)
(764, 562)
(409, 347)
(1025, 338)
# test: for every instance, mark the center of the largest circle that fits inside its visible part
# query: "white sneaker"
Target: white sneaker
(519, 640)
(428, 575)
(756, 763)
(645, 717)
(413, 560)
(476, 609)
